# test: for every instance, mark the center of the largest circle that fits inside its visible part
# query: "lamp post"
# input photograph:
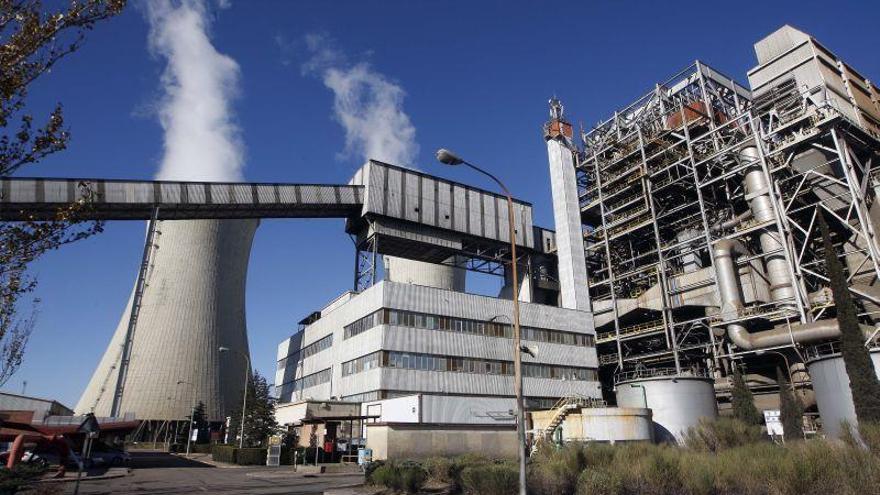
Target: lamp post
(448, 158)
(192, 413)
(247, 372)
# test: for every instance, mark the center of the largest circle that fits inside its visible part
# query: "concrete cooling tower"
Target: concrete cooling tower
(193, 303)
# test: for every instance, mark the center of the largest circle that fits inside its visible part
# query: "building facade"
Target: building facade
(396, 339)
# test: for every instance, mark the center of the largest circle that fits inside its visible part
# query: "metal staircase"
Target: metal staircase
(564, 406)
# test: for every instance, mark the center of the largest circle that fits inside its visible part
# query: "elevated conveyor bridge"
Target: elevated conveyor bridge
(40, 199)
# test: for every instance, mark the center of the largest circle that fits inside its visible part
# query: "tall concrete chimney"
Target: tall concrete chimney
(566, 212)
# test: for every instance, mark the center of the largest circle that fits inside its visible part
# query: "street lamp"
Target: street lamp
(192, 414)
(449, 158)
(247, 372)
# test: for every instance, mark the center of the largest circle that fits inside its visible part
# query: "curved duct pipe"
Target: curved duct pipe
(726, 251)
(758, 195)
(733, 222)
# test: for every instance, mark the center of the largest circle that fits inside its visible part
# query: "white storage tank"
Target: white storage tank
(415, 272)
(617, 424)
(677, 402)
(831, 386)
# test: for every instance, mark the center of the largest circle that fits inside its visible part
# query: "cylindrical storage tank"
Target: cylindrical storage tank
(406, 271)
(617, 424)
(676, 402)
(831, 386)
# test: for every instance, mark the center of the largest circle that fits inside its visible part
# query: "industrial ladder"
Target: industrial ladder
(562, 408)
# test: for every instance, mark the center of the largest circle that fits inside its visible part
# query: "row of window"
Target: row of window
(475, 327)
(431, 362)
(362, 363)
(309, 350)
(530, 402)
(318, 378)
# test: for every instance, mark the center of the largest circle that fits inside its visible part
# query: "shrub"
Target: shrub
(412, 478)
(802, 468)
(11, 481)
(386, 475)
(460, 463)
(870, 433)
(721, 433)
(440, 469)
(250, 457)
(408, 477)
(199, 448)
(370, 468)
(600, 482)
(599, 454)
(243, 457)
(742, 401)
(490, 479)
(223, 453)
(556, 471)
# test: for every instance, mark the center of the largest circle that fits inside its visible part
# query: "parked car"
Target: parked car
(109, 457)
(27, 457)
(43, 458)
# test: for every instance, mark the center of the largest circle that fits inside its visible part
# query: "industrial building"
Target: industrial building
(695, 208)
(411, 329)
(685, 246)
(698, 203)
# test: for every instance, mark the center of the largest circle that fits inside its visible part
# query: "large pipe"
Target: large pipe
(725, 252)
(761, 205)
(732, 222)
(803, 333)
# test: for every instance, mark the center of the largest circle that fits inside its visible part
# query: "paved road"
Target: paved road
(157, 473)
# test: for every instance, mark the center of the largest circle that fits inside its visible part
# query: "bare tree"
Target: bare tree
(32, 40)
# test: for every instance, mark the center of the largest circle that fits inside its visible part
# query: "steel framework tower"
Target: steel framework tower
(699, 204)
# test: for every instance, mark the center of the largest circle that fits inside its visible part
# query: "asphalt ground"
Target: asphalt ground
(161, 473)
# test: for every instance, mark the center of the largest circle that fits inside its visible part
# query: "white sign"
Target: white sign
(773, 422)
(195, 435)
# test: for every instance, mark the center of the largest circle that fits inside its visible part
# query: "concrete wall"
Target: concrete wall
(409, 441)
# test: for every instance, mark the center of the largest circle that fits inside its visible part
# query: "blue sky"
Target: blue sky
(477, 76)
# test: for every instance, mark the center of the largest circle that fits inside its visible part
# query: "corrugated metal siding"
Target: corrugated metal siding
(447, 343)
(411, 202)
(473, 410)
(449, 303)
(469, 383)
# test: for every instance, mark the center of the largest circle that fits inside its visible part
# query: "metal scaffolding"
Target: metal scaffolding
(697, 167)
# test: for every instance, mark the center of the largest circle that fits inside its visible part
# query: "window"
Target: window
(411, 319)
(309, 350)
(290, 391)
(363, 363)
(430, 362)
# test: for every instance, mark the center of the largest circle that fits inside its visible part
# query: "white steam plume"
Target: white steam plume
(367, 104)
(202, 140)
